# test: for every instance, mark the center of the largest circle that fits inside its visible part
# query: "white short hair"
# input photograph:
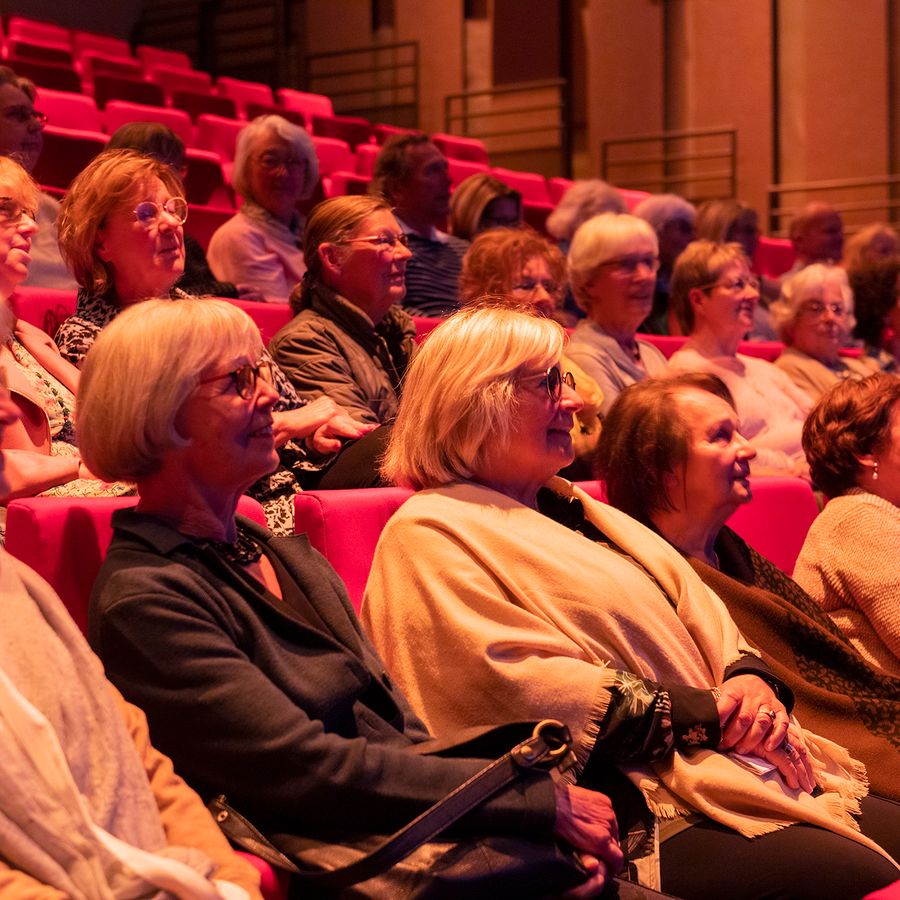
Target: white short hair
(799, 288)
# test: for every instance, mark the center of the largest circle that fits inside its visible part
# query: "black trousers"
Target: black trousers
(710, 862)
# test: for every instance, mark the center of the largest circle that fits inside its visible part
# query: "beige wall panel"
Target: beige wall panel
(834, 93)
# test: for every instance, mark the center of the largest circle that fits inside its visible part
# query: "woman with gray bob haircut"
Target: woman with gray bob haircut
(814, 318)
(258, 249)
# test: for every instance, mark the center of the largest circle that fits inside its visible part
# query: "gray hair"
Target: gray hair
(807, 284)
(581, 202)
(661, 208)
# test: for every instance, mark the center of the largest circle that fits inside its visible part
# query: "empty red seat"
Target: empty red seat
(352, 129)
(632, 197)
(122, 112)
(254, 110)
(269, 317)
(120, 87)
(308, 104)
(157, 56)
(175, 78)
(530, 185)
(557, 187)
(204, 182)
(334, 155)
(382, 132)
(340, 184)
(39, 51)
(535, 213)
(67, 110)
(56, 76)
(94, 63)
(45, 308)
(33, 29)
(66, 152)
(667, 344)
(90, 41)
(244, 93)
(199, 103)
(203, 222)
(461, 169)
(366, 154)
(424, 326)
(219, 135)
(768, 350)
(773, 256)
(455, 147)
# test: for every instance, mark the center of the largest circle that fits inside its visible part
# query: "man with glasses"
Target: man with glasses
(22, 139)
(413, 176)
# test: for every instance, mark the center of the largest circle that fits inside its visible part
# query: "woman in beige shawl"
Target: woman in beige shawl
(490, 598)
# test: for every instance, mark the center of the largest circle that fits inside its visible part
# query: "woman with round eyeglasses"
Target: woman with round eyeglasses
(497, 590)
(715, 297)
(525, 268)
(259, 248)
(121, 233)
(350, 340)
(612, 268)
(39, 450)
(814, 318)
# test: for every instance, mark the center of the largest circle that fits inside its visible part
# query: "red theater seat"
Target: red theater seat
(535, 213)
(773, 256)
(123, 112)
(352, 129)
(205, 183)
(301, 101)
(26, 48)
(34, 29)
(558, 187)
(156, 56)
(530, 185)
(334, 155)
(244, 93)
(66, 152)
(176, 78)
(218, 134)
(45, 308)
(461, 169)
(203, 222)
(91, 42)
(269, 317)
(93, 64)
(455, 147)
(67, 110)
(121, 87)
(265, 109)
(199, 103)
(55, 76)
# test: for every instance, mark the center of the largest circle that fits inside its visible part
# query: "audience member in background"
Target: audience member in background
(582, 201)
(817, 235)
(159, 141)
(877, 241)
(849, 561)
(672, 218)
(77, 767)
(498, 590)
(730, 221)
(876, 294)
(411, 173)
(350, 340)
(38, 450)
(714, 296)
(121, 232)
(612, 266)
(528, 270)
(814, 318)
(22, 139)
(303, 726)
(481, 202)
(275, 167)
(673, 458)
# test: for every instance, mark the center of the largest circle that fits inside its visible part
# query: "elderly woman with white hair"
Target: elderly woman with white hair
(259, 248)
(673, 219)
(497, 590)
(612, 269)
(814, 317)
(582, 201)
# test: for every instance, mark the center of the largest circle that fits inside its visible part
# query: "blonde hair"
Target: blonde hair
(857, 248)
(459, 396)
(140, 371)
(799, 288)
(471, 199)
(600, 239)
(112, 179)
(496, 257)
(262, 126)
(699, 266)
(21, 187)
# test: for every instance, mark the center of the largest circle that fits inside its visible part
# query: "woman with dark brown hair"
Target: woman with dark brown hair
(876, 293)
(848, 562)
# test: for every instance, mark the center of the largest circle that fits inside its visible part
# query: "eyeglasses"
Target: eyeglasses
(553, 379)
(735, 286)
(245, 378)
(381, 242)
(530, 285)
(817, 308)
(23, 114)
(272, 161)
(147, 212)
(11, 212)
(628, 265)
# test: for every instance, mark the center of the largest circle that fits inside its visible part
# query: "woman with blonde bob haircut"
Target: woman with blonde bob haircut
(814, 317)
(498, 590)
(481, 202)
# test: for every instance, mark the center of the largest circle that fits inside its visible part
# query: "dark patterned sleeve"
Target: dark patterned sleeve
(74, 338)
(288, 398)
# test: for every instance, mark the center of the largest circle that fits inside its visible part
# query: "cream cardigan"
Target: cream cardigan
(486, 611)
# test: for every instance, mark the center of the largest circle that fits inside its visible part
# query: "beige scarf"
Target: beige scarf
(486, 611)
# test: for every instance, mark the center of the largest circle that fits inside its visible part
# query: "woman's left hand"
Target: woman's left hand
(750, 715)
(330, 437)
(307, 421)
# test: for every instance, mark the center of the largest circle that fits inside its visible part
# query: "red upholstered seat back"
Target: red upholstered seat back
(45, 308)
(65, 540)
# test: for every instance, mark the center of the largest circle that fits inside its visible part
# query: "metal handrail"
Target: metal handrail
(395, 97)
(461, 118)
(674, 161)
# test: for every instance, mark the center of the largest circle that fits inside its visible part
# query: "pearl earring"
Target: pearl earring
(875, 471)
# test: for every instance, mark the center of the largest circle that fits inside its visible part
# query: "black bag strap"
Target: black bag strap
(548, 745)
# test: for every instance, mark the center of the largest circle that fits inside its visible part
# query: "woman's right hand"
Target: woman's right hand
(585, 820)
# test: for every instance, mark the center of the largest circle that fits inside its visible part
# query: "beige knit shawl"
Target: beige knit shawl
(486, 611)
